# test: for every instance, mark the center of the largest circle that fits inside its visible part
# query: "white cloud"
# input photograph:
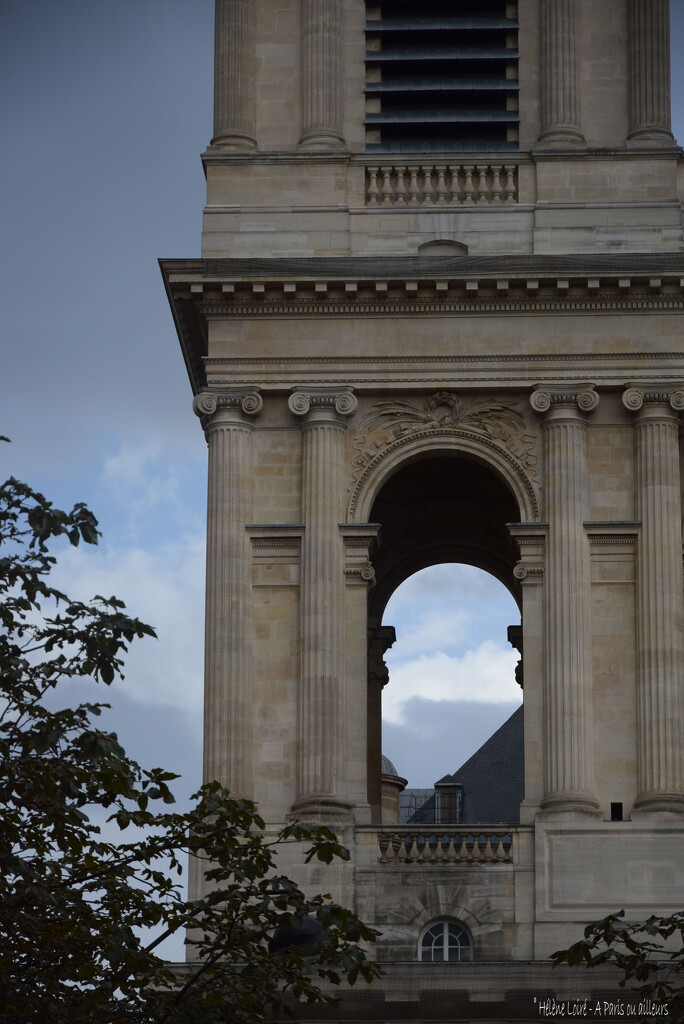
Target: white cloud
(163, 586)
(484, 674)
(434, 629)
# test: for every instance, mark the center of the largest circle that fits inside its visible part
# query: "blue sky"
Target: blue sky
(107, 106)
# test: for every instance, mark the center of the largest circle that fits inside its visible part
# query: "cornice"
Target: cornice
(346, 287)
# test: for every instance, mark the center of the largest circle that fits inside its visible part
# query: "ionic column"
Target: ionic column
(227, 660)
(321, 75)
(649, 72)
(321, 724)
(234, 75)
(560, 102)
(568, 742)
(660, 614)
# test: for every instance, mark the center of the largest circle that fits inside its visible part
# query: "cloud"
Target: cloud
(484, 674)
(163, 586)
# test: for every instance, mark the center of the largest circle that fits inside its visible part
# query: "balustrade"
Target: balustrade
(441, 184)
(447, 845)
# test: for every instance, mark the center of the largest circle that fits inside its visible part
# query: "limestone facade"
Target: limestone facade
(502, 331)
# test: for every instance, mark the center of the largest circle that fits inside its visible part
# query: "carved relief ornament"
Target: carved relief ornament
(393, 425)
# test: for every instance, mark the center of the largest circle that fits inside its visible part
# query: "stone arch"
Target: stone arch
(437, 500)
(388, 460)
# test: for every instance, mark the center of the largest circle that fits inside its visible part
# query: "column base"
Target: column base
(652, 138)
(658, 805)
(562, 138)
(323, 809)
(569, 805)
(321, 141)
(235, 142)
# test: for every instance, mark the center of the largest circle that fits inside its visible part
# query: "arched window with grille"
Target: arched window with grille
(445, 941)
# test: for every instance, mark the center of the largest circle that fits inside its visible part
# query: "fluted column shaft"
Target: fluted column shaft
(649, 71)
(568, 741)
(234, 75)
(660, 615)
(560, 98)
(321, 719)
(321, 75)
(227, 658)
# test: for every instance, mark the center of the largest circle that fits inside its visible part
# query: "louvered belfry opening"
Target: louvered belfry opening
(441, 76)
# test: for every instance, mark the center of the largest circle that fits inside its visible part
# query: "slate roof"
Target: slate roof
(492, 780)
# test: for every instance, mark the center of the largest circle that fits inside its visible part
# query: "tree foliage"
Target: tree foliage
(73, 901)
(650, 955)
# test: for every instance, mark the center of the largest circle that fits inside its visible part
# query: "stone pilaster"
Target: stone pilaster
(234, 75)
(568, 741)
(649, 72)
(321, 75)
(660, 612)
(560, 97)
(321, 719)
(227, 663)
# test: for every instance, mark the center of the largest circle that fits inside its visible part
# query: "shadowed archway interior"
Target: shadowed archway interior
(446, 508)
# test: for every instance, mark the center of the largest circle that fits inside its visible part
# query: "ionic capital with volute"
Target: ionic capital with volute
(323, 403)
(560, 400)
(637, 398)
(226, 405)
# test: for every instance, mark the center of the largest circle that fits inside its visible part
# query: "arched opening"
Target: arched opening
(448, 512)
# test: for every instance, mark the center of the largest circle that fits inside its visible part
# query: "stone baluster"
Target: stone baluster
(234, 75)
(560, 103)
(496, 183)
(321, 75)
(413, 186)
(401, 186)
(386, 185)
(228, 639)
(482, 187)
(468, 188)
(441, 183)
(454, 185)
(427, 184)
(373, 186)
(660, 612)
(509, 187)
(649, 72)
(568, 743)
(321, 719)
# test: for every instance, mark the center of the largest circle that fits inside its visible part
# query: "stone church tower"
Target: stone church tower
(438, 317)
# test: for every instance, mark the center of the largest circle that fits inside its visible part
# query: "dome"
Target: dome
(388, 768)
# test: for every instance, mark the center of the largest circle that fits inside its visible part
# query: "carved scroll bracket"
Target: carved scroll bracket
(360, 541)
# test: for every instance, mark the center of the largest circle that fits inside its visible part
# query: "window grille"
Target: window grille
(444, 79)
(445, 941)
